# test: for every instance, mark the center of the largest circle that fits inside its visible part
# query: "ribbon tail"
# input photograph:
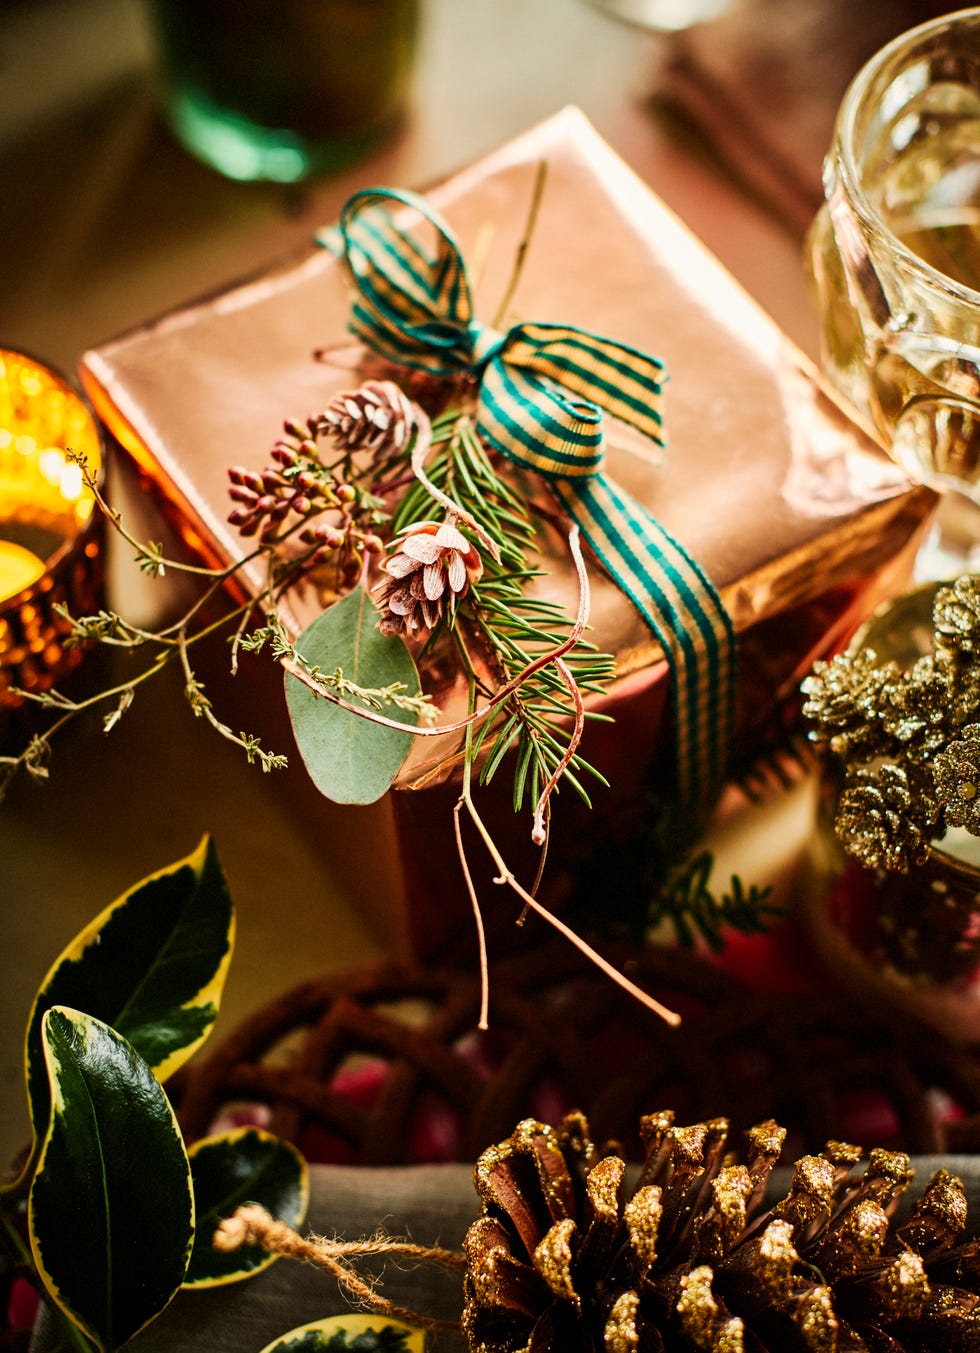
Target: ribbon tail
(682, 607)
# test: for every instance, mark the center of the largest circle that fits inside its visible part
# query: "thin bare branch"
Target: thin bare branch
(506, 877)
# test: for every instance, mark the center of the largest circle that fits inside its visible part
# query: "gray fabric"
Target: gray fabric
(430, 1204)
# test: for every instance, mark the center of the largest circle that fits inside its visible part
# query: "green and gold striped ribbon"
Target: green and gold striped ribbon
(543, 391)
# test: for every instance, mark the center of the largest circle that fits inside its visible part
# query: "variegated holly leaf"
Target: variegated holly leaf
(152, 966)
(349, 758)
(111, 1208)
(351, 1333)
(245, 1166)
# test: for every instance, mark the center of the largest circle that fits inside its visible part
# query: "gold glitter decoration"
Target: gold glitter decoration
(810, 1198)
(817, 1321)
(843, 1153)
(553, 1260)
(696, 1259)
(900, 1290)
(957, 616)
(731, 1190)
(907, 742)
(888, 1175)
(701, 1319)
(939, 1215)
(777, 1259)
(856, 1242)
(620, 1334)
(957, 775)
(643, 1215)
(603, 1185)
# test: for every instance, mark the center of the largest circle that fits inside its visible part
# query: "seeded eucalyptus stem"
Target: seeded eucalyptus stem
(174, 640)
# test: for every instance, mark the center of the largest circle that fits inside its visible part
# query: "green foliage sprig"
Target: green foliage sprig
(687, 904)
(906, 742)
(504, 623)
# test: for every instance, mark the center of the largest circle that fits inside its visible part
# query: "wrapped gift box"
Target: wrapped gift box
(799, 520)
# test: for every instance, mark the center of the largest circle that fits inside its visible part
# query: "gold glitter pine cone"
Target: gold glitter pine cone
(575, 1253)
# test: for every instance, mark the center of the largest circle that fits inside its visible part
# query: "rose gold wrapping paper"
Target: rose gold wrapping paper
(790, 509)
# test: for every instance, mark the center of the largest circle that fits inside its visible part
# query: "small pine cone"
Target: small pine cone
(376, 417)
(844, 699)
(956, 616)
(432, 563)
(885, 821)
(568, 1257)
(916, 708)
(956, 773)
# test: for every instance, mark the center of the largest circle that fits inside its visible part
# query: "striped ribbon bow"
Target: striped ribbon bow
(543, 390)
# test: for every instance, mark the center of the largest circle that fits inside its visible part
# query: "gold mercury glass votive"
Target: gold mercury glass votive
(50, 536)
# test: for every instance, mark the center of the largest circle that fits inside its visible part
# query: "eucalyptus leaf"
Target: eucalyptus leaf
(349, 758)
(152, 966)
(111, 1208)
(245, 1166)
(351, 1333)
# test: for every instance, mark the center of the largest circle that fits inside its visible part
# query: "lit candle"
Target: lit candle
(50, 547)
(18, 568)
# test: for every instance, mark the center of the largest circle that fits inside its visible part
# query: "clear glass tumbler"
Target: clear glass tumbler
(895, 252)
(283, 89)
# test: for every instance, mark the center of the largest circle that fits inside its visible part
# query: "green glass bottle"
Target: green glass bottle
(284, 89)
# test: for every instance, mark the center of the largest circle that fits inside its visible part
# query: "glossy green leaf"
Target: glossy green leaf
(152, 966)
(111, 1209)
(246, 1166)
(351, 1333)
(351, 759)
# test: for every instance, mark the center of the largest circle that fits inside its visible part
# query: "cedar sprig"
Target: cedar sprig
(904, 741)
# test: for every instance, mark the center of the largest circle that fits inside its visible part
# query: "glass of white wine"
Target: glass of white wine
(894, 255)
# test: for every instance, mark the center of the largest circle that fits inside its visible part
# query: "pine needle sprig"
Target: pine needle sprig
(509, 625)
(461, 468)
(687, 904)
(539, 712)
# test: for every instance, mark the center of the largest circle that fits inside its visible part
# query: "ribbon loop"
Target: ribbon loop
(544, 390)
(538, 423)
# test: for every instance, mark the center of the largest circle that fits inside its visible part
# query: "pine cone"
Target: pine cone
(956, 616)
(843, 701)
(956, 772)
(376, 417)
(431, 561)
(883, 820)
(916, 708)
(688, 1259)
